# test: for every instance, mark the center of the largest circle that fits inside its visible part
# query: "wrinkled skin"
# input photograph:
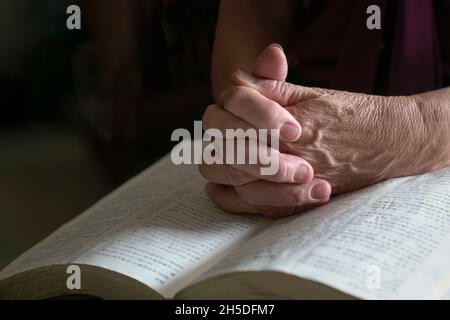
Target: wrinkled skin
(343, 140)
(354, 140)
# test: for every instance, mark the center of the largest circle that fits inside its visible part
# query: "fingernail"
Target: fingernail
(320, 191)
(277, 45)
(301, 173)
(289, 132)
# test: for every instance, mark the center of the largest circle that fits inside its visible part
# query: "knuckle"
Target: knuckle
(269, 86)
(295, 197)
(281, 88)
(284, 90)
(285, 173)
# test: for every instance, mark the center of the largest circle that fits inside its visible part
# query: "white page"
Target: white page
(170, 249)
(398, 230)
(148, 191)
(446, 295)
(160, 228)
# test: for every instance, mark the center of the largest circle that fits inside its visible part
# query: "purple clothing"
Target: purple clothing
(333, 48)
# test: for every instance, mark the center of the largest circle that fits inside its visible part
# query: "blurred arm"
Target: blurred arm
(244, 29)
(112, 24)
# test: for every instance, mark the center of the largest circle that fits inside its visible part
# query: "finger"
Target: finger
(217, 118)
(271, 64)
(225, 174)
(227, 199)
(263, 193)
(258, 162)
(260, 112)
(283, 93)
(228, 124)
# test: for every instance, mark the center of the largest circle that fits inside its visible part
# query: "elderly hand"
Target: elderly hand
(241, 188)
(351, 140)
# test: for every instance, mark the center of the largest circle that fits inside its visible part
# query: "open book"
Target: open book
(159, 236)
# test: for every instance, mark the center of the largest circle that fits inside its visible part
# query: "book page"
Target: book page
(446, 296)
(160, 229)
(391, 240)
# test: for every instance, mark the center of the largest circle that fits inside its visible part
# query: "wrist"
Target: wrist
(405, 136)
(434, 113)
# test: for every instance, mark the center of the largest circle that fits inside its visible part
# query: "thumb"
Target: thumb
(271, 64)
(268, 78)
(283, 93)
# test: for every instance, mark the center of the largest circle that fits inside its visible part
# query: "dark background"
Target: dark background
(84, 110)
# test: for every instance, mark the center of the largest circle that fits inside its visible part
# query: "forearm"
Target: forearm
(411, 134)
(390, 136)
(418, 129)
(244, 28)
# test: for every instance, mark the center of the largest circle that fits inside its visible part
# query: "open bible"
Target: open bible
(159, 236)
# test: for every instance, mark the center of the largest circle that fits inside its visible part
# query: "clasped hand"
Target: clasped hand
(331, 141)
